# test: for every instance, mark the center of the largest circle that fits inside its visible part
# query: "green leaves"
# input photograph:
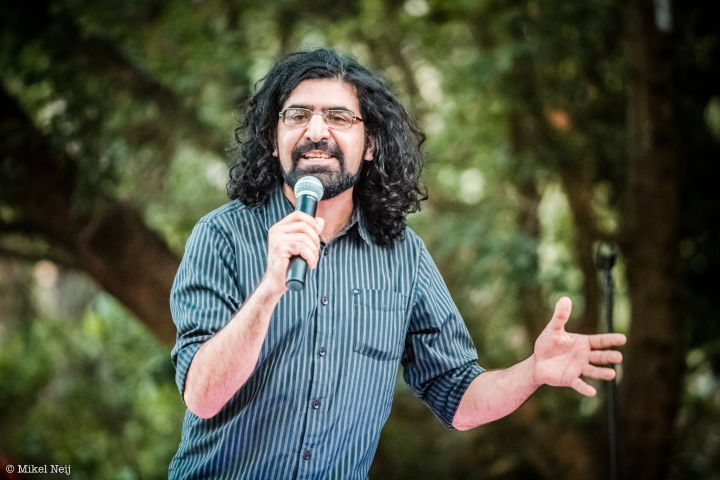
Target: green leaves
(97, 394)
(525, 107)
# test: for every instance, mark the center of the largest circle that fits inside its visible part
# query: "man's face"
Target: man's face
(331, 155)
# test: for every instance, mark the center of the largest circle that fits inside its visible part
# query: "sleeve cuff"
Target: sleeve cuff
(461, 378)
(182, 365)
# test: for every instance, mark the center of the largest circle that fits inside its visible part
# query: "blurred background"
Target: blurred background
(552, 126)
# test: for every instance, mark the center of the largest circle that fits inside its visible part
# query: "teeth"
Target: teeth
(317, 155)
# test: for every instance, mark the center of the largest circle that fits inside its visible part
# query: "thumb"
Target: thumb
(319, 225)
(563, 307)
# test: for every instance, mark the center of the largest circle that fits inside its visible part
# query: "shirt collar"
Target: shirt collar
(275, 209)
(278, 207)
(357, 218)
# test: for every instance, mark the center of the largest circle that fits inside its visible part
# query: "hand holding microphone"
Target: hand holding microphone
(308, 191)
(295, 238)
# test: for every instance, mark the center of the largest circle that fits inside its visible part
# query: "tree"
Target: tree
(650, 242)
(115, 119)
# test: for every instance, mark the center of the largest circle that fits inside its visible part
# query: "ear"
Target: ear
(369, 149)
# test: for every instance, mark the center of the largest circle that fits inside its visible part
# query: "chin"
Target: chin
(321, 172)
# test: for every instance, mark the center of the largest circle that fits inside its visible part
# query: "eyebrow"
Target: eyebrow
(311, 107)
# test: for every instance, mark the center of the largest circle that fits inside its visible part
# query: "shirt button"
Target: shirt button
(356, 291)
(324, 301)
(307, 455)
(322, 351)
(325, 252)
(316, 404)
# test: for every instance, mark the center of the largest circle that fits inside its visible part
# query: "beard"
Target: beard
(334, 180)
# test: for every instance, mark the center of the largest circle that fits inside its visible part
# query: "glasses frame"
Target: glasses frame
(324, 115)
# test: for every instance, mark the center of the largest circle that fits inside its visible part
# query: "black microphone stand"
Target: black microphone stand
(605, 262)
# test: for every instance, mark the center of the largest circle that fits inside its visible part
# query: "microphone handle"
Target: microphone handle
(298, 266)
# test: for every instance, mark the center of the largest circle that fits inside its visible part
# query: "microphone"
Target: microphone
(308, 191)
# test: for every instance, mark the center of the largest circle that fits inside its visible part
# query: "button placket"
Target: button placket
(317, 409)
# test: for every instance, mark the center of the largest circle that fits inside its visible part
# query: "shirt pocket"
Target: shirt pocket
(379, 321)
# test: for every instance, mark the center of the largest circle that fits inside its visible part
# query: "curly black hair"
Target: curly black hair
(389, 186)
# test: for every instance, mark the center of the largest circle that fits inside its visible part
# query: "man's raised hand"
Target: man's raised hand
(562, 357)
(296, 234)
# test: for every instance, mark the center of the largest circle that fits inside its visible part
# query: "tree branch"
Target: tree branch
(36, 257)
(22, 227)
(129, 260)
(58, 33)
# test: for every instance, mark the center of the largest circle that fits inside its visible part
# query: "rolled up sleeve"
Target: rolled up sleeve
(204, 296)
(439, 360)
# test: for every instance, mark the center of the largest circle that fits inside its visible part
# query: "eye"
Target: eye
(297, 115)
(338, 117)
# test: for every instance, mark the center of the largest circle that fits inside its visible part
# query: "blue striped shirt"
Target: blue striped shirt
(323, 385)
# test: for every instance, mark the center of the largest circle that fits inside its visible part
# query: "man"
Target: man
(298, 384)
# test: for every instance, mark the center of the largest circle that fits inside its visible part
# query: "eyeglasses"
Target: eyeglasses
(299, 117)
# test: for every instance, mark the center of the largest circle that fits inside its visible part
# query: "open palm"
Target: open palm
(562, 357)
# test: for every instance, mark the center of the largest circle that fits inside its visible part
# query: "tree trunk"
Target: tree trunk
(572, 454)
(111, 243)
(577, 191)
(651, 388)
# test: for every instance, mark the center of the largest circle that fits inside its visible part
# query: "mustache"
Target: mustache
(322, 146)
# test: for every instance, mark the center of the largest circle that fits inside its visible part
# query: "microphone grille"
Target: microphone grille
(309, 186)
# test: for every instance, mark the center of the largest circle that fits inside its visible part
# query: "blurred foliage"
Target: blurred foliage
(516, 98)
(96, 393)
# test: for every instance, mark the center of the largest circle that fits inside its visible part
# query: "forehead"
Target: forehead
(324, 94)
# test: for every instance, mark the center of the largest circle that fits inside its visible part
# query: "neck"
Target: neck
(336, 212)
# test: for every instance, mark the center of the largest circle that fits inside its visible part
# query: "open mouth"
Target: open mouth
(317, 156)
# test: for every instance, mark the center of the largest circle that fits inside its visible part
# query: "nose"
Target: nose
(317, 129)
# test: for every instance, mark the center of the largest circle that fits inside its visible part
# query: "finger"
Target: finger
(598, 372)
(602, 357)
(298, 244)
(299, 238)
(309, 254)
(297, 228)
(291, 245)
(319, 225)
(582, 387)
(563, 307)
(606, 340)
(298, 216)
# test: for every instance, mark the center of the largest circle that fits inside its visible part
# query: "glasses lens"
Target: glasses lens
(296, 116)
(338, 118)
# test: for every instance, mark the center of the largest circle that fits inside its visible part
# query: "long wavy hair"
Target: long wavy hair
(389, 186)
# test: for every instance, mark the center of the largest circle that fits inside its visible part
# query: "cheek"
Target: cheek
(286, 141)
(359, 146)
